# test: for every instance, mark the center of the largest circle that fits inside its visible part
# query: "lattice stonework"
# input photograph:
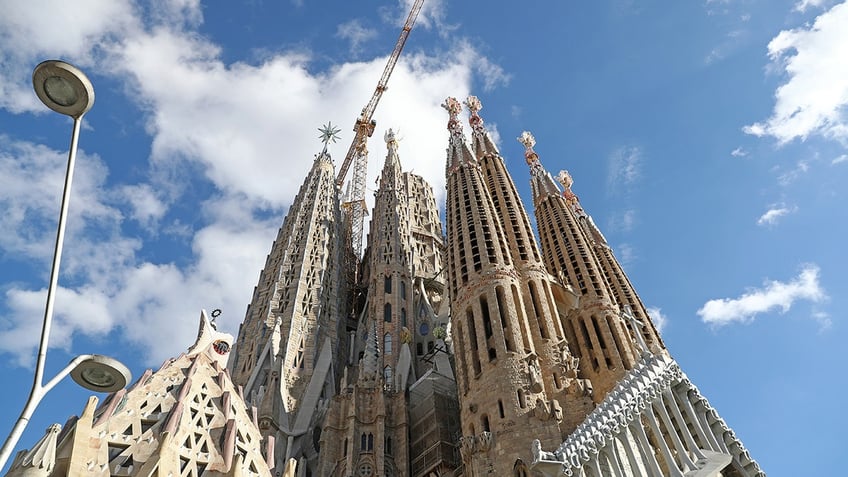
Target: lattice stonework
(184, 420)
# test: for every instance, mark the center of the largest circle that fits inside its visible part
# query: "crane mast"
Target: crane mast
(357, 154)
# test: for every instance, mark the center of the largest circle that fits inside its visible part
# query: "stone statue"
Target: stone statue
(539, 455)
(535, 375)
(542, 411)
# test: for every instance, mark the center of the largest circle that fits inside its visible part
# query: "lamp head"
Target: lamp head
(63, 88)
(101, 374)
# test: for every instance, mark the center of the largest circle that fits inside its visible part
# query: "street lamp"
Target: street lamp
(66, 90)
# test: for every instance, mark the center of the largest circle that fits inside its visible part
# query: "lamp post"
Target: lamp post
(66, 90)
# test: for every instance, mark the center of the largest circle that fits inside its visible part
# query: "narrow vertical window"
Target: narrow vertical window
(387, 313)
(387, 284)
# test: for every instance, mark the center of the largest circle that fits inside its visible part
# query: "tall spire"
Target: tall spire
(290, 344)
(541, 182)
(481, 140)
(501, 335)
(597, 332)
(458, 152)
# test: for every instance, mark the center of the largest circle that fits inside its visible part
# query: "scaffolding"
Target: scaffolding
(434, 425)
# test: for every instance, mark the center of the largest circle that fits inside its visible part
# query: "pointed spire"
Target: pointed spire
(458, 151)
(482, 140)
(541, 182)
(391, 168)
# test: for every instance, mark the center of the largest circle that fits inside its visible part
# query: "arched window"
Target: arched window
(387, 344)
(363, 442)
(403, 289)
(484, 421)
(370, 441)
(403, 316)
(387, 313)
(387, 284)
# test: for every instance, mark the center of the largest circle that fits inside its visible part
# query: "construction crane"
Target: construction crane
(363, 129)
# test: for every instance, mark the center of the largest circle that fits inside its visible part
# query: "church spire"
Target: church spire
(480, 137)
(541, 182)
(458, 152)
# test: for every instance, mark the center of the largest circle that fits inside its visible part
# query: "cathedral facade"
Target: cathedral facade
(463, 349)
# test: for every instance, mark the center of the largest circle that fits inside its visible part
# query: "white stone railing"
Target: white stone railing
(655, 397)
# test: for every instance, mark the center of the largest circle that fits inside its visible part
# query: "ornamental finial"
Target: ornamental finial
(529, 141)
(328, 133)
(452, 106)
(565, 179)
(390, 137)
(474, 105)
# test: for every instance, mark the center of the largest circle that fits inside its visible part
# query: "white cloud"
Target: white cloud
(840, 159)
(243, 135)
(625, 168)
(624, 221)
(739, 152)
(771, 216)
(773, 294)
(27, 32)
(803, 5)
(790, 176)
(355, 33)
(660, 320)
(814, 98)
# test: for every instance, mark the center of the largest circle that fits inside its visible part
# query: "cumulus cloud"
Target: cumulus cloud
(840, 159)
(772, 295)
(813, 100)
(774, 214)
(660, 320)
(239, 156)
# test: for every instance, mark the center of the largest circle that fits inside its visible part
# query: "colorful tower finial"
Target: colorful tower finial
(474, 105)
(529, 141)
(453, 108)
(565, 179)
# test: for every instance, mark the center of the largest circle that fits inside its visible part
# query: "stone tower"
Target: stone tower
(289, 347)
(368, 429)
(538, 288)
(596, 331)
(504, 395)
(187, 419)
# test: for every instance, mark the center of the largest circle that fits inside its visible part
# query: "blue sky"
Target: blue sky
(707, 139)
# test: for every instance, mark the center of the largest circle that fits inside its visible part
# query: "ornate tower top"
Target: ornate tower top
(328, 133)
(391, 138)
(474, 106)
(458, 151)
(565, 179)
(541, 182)
(453, 108)
(529, 141)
